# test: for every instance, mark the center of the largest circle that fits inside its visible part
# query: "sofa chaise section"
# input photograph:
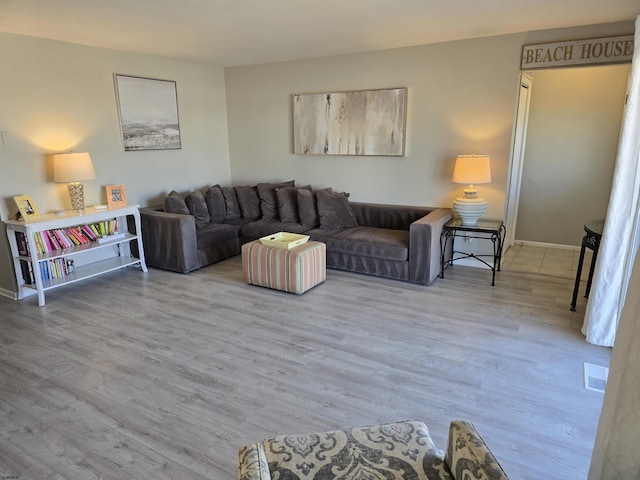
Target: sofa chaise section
(392, 241)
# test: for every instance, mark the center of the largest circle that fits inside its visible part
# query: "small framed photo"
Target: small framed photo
(27, 208)
(116, 196)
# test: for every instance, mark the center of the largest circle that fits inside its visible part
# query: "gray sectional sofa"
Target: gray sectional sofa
(194, 230)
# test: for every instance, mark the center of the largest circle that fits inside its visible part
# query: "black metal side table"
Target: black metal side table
(493, 230)
(591, 241)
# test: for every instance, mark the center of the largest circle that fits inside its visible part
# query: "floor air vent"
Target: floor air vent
(595, 377)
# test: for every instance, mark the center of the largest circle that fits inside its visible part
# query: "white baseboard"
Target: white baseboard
(8, 293)
(546, 245)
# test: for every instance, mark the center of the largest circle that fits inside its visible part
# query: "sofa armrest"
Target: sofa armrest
(468, 456)
(424, 246)
(169, 240)
(252, 463)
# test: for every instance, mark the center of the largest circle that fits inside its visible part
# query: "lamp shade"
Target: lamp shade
(72, 167)
(472, 169)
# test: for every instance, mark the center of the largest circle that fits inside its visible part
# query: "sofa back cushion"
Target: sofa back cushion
(215, 204)
(307, 208)
(174, 203)
(334, 210)
(198, 208)
(288, 203)
(231, 204)
(249, 202)
(268, 198)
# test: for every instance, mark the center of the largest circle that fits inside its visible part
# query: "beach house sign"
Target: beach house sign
(597, 51)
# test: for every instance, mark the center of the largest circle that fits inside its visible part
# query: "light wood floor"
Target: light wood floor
(164, 376)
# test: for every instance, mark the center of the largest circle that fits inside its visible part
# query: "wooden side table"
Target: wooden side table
(591, 241)
(493, 230)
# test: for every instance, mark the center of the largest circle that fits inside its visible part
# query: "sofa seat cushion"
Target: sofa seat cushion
(261, 228)
(382, 243)
(214, 234)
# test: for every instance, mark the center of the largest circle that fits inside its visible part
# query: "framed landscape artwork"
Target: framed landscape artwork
(368, 122)
(148, 113)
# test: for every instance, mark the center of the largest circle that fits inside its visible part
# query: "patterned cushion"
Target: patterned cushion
(391, 451)
(468, 456)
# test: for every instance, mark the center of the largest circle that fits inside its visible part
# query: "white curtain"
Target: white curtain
(616, 451)
(620, 236)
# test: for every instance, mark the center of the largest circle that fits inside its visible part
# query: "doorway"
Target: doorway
(563, 153)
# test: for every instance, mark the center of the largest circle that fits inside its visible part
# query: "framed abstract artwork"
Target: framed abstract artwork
(367, 122)
(148, 111)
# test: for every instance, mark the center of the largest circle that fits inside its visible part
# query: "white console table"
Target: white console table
(120, 243)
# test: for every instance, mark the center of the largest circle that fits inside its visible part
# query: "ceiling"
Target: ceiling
(243, 32)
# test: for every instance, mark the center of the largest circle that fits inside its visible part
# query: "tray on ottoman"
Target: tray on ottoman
(293, 270)
(284, 240)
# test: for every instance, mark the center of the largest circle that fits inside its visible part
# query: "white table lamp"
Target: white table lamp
(73, 168)
(471, 170)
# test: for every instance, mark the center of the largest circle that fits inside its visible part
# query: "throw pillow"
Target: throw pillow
(231, 203)
(288, 203)
(174, 203)
(307, 208)
(198, 208)
(268, 200)
(249, 202)
(334, 210)
(215, 204)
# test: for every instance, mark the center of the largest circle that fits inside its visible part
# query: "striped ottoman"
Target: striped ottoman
(295, 270)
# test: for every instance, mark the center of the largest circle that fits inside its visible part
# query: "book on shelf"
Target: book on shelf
(46, 241)
(27, 273)
(23, 245)
(53, 268)
(112, 237)
(53, 240)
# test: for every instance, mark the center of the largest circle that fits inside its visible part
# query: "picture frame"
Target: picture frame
(116, 196)
(362, 122)
(26, 207)
(148, 110)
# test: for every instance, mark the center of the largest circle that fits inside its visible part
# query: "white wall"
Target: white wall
(461, 99)
(56, 96)
(572, 140)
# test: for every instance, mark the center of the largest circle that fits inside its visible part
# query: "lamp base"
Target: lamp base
(76, 195)
(469, 210)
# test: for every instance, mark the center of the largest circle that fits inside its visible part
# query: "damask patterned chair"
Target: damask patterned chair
(397, 451)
